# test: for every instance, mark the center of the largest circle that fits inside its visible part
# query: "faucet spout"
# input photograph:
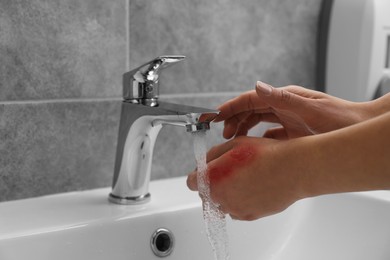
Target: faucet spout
(138, 131)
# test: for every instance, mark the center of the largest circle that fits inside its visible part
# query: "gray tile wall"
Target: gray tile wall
(61, 66)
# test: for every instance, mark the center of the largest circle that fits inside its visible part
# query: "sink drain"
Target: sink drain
(162, 242)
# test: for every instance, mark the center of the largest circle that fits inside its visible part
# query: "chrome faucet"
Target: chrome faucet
(142, 117)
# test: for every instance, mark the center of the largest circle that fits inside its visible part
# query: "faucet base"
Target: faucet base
(129, 200)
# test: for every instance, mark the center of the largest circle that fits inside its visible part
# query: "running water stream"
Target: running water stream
(214, 218)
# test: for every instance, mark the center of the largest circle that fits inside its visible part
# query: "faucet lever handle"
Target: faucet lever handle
(140, 85)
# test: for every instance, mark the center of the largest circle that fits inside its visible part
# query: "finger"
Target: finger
(231, 124)
(245, 102)
(281, 98)
(218, 150)
(192, 181)
(276, 133)
(242, 123)
(229, 129)
(243, 128)
(254, 120)
(248, 124)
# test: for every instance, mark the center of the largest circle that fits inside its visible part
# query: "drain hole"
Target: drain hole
(162, 242)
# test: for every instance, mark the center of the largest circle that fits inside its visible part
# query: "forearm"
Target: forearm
(356, 158)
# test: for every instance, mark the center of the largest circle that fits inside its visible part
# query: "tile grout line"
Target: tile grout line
(63, 100)
(76, 100)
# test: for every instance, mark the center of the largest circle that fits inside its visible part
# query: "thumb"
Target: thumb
(279, 98)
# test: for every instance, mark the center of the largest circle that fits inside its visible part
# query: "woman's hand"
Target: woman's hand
(247, 178)
(299, 111)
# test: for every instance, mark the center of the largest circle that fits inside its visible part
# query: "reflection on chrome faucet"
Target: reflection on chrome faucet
(142, 117)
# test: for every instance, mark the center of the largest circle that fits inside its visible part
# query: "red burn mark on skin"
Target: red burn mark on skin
(237, 157)
(216, 174)
(241, 153)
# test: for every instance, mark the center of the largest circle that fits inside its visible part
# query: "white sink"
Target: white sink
(84, 225)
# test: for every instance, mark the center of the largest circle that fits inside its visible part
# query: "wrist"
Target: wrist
(315, 165)
(298, 156)
(375, 107)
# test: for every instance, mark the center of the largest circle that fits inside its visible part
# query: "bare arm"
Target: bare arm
(356, 158)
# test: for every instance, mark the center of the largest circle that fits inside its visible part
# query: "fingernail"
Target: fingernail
(264, 88)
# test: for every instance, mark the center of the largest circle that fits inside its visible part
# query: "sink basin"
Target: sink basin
(84, 225)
